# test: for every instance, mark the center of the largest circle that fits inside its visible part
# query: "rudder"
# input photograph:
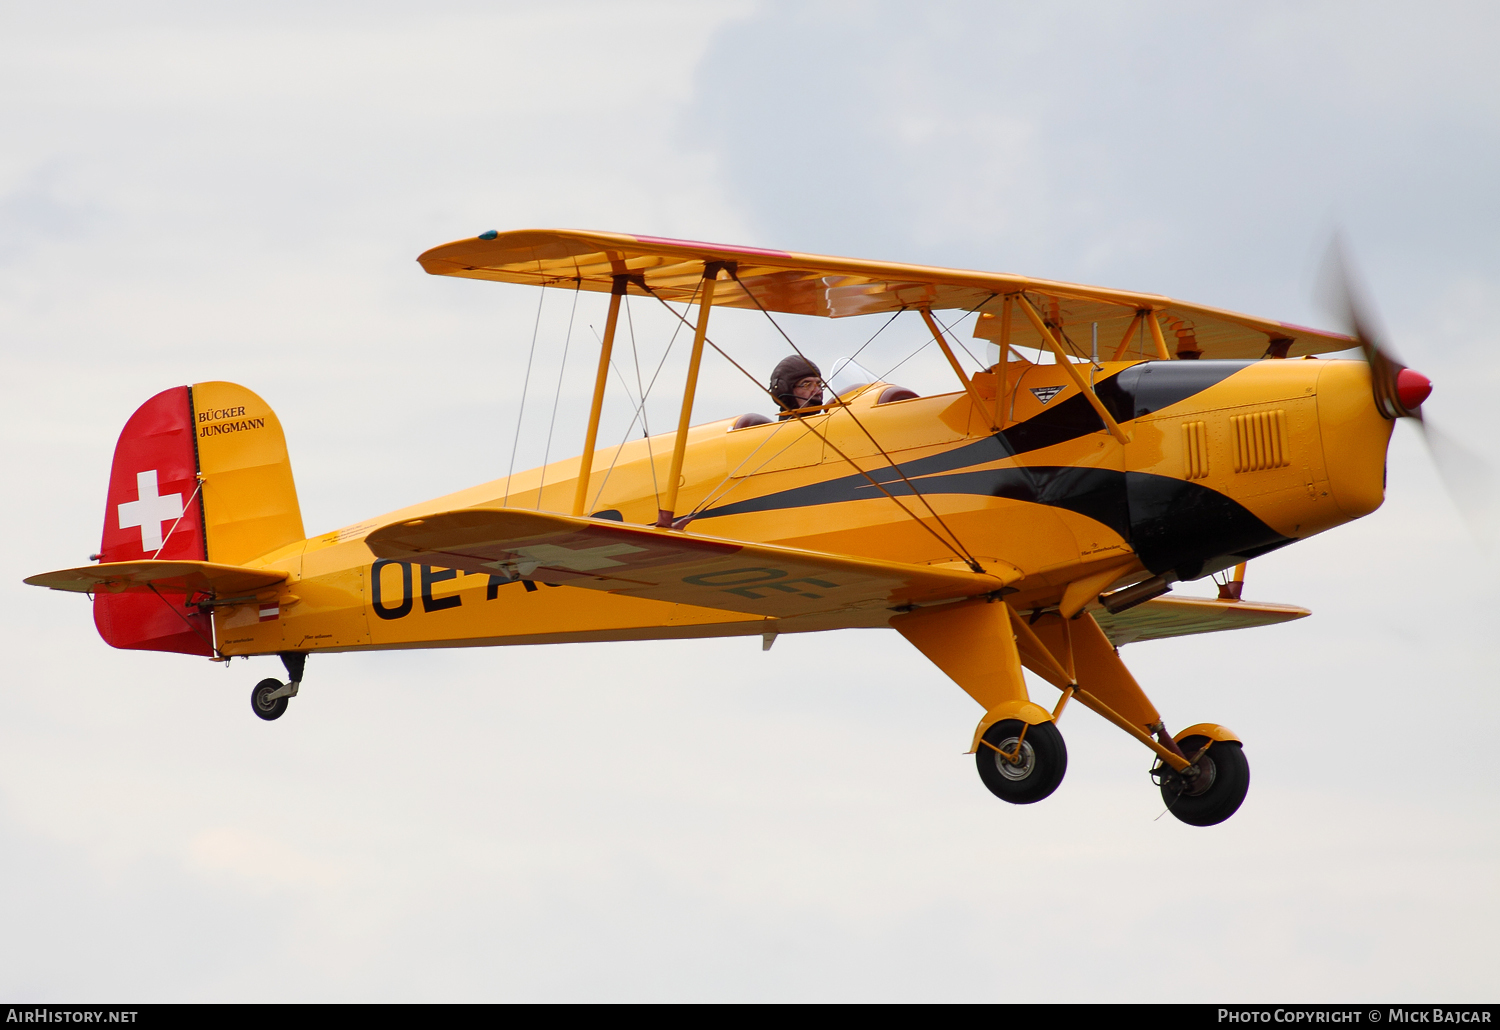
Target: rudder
(249, 498)
(154, 510)
(199, 473)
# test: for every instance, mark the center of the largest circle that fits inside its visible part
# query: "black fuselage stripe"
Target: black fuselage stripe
(1172, 524)
(1155, 384)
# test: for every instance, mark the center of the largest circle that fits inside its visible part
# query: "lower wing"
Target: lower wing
(1184, 616)
(667, 565)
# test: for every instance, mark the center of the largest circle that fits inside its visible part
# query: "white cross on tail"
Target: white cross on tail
(150, 511)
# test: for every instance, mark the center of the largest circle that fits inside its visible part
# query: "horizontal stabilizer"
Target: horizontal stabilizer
(664, 565)
(173, 577)
(1183, 616)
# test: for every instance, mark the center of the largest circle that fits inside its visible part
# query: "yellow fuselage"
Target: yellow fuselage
(1225, 460)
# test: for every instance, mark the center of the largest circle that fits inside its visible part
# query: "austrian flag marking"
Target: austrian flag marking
(270, 612)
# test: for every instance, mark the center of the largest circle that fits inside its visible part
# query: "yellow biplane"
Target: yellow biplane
(1035, 517)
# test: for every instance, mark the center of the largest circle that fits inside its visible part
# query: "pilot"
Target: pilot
(796, 383)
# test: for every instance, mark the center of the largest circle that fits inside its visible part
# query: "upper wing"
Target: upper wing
(1184, 616)
(173, 577)
(663, 565)
(815, 284)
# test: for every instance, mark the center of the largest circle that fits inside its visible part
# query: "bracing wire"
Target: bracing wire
(953, 543)
(948, 330)
(713, 494)
(883, 326)
(640, 388)
(567, 340)
(641, 406)
(635, 406)
(186, 621)
(651, 458)
(635, 356)
(525, 385)
(1061, 332)
(623, 382)
(884, 376)
(185, 509)
(624, 439)
(956, 544)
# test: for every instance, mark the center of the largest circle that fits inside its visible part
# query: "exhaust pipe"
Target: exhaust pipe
(1123, 600)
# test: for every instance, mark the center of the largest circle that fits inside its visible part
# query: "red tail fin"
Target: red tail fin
(154, 510)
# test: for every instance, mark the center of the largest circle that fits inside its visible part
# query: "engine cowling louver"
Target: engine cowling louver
(1260, 441)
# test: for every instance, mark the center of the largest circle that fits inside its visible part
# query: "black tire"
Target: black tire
(262, 705)
(1216, 792)
(1040, 768)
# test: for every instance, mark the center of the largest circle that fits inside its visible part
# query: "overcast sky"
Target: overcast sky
(194, 192)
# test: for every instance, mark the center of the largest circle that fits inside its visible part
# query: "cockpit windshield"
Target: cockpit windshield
(848, 375)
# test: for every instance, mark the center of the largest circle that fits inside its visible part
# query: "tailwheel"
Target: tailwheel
(1212, 789)
(1019, 763)
(268, 701)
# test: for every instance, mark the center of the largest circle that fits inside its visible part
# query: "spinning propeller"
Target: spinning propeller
(1399, 393)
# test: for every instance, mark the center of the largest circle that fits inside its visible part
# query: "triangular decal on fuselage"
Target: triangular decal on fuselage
(1045, 393)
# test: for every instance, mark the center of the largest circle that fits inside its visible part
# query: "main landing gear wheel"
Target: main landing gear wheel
(1030, 768)
(263, 704)
(1213, 788)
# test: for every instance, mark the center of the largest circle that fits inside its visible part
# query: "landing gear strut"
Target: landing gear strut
(1019, 763)
(1212, 788)
(269, 698)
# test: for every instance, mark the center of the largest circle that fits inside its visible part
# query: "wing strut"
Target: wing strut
(1002, 390)
(586, 463)
(667, 512)
(1045, 332)
(1129, 337)
(954, 544)
(1161, 342)
(958, 370)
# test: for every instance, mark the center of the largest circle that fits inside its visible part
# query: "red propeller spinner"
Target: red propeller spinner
(1412, 388)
